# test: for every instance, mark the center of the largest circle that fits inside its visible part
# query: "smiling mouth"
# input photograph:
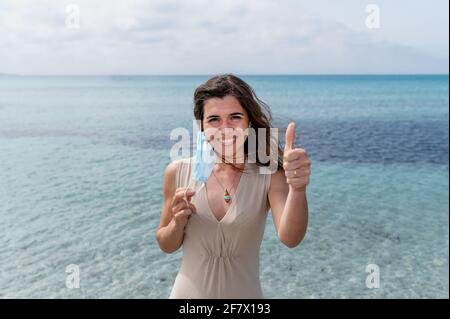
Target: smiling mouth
(228, 141)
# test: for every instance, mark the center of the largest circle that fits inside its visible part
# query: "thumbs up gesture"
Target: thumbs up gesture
(297, 166)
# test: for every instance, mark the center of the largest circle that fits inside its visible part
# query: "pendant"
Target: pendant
(227, 196)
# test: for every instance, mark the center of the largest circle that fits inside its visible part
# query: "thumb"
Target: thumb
(188, 194)
(290, 136)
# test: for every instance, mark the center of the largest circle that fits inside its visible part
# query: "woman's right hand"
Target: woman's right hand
(182, 208)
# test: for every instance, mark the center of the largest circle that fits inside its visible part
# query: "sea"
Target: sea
(82, 160)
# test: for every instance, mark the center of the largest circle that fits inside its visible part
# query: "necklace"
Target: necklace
(226, 195)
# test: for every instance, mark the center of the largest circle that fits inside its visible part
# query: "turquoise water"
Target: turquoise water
(81, 162)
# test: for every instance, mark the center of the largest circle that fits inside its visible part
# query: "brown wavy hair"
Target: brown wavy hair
(258, 112)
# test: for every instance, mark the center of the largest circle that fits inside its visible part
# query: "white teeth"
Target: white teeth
(227, 141)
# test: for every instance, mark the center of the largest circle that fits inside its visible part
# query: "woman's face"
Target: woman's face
(226, 123)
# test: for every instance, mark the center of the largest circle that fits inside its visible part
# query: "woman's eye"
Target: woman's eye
(212, 120)
(235, 117)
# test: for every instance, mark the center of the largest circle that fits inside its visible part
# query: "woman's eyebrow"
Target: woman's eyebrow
(231, 114)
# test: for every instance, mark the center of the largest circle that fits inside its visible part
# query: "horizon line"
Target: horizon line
(219, 73)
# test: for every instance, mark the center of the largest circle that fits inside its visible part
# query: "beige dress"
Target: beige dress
(221, 258)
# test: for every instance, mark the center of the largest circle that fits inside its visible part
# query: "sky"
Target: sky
(209, 37)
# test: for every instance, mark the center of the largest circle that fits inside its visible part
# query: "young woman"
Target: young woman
(221, 226)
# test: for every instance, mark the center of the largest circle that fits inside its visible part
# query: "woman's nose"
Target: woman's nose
(226, 124)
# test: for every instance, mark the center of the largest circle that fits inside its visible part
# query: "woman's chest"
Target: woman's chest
(215, 197)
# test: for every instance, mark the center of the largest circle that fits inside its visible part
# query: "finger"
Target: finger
(297, 173)
(183, 205)
(294, 154)
(290, 136)
(179, 203)
(182, 190)
(184, 212)
(296, 164)
(183, 194)
(180, 206)
(177, 198)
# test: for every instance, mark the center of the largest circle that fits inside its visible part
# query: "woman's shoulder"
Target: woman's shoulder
(185, 161)
(180, 161)
(175, 164)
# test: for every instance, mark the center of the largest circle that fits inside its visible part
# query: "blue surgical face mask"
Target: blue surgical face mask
(205, 159)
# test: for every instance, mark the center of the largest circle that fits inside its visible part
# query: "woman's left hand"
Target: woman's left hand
(297, 166)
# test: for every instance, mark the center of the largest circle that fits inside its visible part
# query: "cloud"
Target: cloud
(193, 37)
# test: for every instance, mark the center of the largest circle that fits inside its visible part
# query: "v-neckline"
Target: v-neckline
(233, 200)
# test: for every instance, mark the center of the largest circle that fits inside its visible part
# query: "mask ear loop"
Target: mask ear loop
(185, 192)
(190, 174)
(189, 184)
(196, 190)
(190, 179)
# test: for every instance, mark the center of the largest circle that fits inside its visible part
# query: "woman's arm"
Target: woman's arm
(175, 212)
(289, 210)
(287, 193)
